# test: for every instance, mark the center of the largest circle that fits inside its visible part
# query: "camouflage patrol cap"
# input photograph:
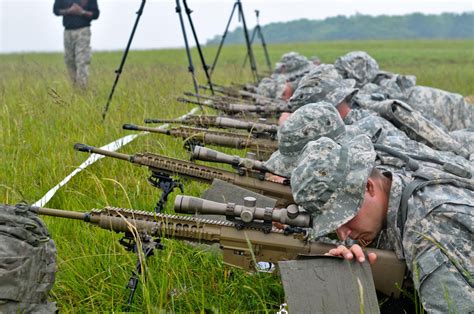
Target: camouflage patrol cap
(325, 89)
(329, 181)
(267, 87)
(358, 65)
(308, 123)
(321, 71)
(291, 62)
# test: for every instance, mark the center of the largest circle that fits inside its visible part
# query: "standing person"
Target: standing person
(77, 16)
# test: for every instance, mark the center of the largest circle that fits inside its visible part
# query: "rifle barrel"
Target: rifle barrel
(91, 149)
(61, 213)
(134, 127)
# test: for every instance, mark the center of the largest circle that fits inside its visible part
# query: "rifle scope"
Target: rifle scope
(247, 212)
(207, 154)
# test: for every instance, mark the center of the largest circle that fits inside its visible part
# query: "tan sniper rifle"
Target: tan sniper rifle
(163, 168)
(265, 110)
(205, 120)
(262, 147)
(242, 241)
(223, 123)
(234, 92)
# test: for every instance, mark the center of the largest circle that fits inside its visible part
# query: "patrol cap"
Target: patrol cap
(330, 179)
(318, 89)
(358, 65)
(308, 123)
(291, 62)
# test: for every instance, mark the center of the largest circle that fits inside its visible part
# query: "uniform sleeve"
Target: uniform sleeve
(58, 5)
(94, 8)
(439, 253)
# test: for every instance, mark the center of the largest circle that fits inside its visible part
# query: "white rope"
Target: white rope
(115, 145)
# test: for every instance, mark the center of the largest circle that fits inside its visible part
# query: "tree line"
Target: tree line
(364, 27)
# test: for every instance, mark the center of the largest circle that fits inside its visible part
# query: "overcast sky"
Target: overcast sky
(29, 25)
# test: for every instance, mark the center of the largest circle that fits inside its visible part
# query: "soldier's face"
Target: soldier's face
(370, 219)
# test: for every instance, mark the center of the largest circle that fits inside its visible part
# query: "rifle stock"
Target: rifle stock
(240, 248)
(171, 166)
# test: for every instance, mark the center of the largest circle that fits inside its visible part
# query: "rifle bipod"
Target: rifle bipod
(167, 184)
(147, 245)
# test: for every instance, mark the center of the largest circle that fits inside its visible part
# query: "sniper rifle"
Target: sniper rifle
(242, 245)
(163, 168)
(262, 147)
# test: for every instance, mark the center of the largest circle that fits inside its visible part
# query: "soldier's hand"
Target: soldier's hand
(76, 9)
(275, 178)
(354, 251)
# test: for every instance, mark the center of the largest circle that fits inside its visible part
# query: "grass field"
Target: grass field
(41, 117)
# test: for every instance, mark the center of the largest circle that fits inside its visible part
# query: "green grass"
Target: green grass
(41, 118)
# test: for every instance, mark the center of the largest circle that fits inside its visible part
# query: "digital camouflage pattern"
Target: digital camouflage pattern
(357, 114)
(321, 71)
(395, 86)
(306, 124)
(404, 81)
(27, 262)
(322, 88)
(376, 126)
(267, 87)
(329, 181)
(449, 109)
(292, 62)
(358, 65)
(417, 127)
(466, 138)
(420, 152)
(435, 240)
(77, 54)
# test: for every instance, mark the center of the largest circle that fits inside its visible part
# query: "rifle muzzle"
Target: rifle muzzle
(247, 212)
(84, 148)
(132, 127)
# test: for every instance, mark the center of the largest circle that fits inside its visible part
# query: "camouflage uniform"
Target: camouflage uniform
(77, 54)
(466, 138)
(436, 242)
(417, 127)
(27, 262)
(429, 218)
(450, 109)
(308, 123)
(357, 65)
(380, 131)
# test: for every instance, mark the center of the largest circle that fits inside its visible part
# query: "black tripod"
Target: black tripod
(253, 64)
(124, 58)
(258, 31)
(198, 46)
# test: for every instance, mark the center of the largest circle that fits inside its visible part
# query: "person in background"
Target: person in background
(77, 16)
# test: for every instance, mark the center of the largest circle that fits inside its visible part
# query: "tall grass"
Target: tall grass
(41, 118)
